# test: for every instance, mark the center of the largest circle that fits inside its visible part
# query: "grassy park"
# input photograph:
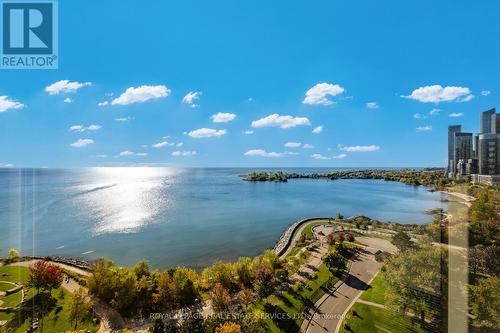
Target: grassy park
(57, 317)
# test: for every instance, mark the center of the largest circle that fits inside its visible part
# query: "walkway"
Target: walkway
(330, 310)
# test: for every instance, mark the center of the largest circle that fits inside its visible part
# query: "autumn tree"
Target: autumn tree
(228, 327)
(44, 275)
(13, 254)
(264, 280)
(164, 297)
(221, 300)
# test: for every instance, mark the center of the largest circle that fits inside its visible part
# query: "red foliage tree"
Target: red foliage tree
(340, 237)
(330, 239)
(45, 276)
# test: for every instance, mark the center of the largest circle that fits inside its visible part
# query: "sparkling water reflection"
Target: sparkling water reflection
(180, 216)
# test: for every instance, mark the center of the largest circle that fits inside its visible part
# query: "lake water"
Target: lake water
(188, 217)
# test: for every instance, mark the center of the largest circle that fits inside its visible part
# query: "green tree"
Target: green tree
(243, 271)
(193, 323)
(335, 261)
(483, 208)
(486, 302)
(141, 269)
(219, 272)
(186, 292)
(417, 281)
(80, 307)
(158, 327)
(402, 241)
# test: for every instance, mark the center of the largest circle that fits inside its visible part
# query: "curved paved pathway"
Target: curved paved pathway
(328, 313)
(330, 310)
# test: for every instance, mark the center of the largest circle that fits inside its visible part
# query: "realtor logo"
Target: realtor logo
(29, 35)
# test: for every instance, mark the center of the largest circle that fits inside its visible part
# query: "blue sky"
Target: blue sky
(278, 69)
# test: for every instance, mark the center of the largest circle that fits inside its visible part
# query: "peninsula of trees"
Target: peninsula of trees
(428, 176)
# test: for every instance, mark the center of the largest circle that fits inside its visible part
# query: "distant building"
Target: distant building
(476, 156)
(451, 148)
(489, 154)
(487, 121)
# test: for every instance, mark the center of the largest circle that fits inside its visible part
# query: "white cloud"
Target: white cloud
(206, 133)
(437, 94)
(485, 92)
(6, 104)
(248, 132)
(360, 149)
(320, 157)
(81, 128)
(191, 98)
(307, 146)
(320, 93)
(160, 144)
(419, 116)
(318, 129)
(68, 100)
(223, 117)
(340, 156)
(275, 120)
(179, 144)
(105, 103)
(184, 153)
(101, 156)
(7, 165)
(293, 144)
(76, 128)
(124, 119)
(263, 153)
(82, 143)
(456, 114)
(131, 153)
(435, 112)
(424, 128)
(127, 153)
(372, 105)
(65, 86)
(141, 94)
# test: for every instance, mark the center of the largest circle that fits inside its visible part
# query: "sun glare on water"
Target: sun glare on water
(125, 199)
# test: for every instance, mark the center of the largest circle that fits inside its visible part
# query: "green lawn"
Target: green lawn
(14, 274)
(375, 320)
(57, 320)
(5, 286)
(376, 291)
(295, 302)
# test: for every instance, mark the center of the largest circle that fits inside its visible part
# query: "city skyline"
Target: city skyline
(217, 99)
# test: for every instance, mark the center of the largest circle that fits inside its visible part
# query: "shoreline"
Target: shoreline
(463, 198)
